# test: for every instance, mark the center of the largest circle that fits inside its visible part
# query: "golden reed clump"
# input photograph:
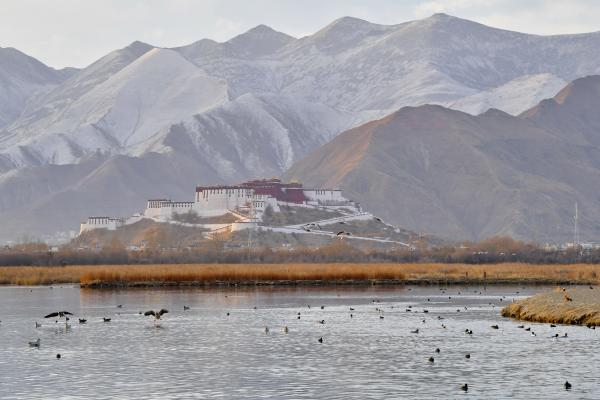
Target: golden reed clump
(583, 308)
(207, 273)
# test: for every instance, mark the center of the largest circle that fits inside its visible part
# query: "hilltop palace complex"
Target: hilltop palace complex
(247, 201)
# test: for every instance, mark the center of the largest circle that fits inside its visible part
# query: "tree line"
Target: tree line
(491, 251)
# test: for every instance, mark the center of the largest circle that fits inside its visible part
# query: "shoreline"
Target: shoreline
(569, 306)
(323, 283)
(300, 274)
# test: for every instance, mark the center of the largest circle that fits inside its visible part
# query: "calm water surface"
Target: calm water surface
(203, 353)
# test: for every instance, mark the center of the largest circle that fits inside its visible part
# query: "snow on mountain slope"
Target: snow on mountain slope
(21, 76)
(157, 89)
(253, 135)
(513, 97)
(254, 105)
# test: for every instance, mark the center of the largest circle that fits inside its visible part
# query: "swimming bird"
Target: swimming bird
(82, 320)
(568, 385)
(120, 306)
(156, 314)
(36, 343)
(521, 326)
(467, 355)
(285, 329)
(320, 340)
(552, 326)
(465, 387)
(266, 329)
(528, 329)
(322, 322)
(106, 319)
(415, 331)
(431, 359)
(469, 332)
(495, 326)
(186, 308)
(437, 350)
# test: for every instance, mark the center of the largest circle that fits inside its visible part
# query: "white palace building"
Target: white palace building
(246, 200)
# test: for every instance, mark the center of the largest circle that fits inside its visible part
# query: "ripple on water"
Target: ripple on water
(203, 353)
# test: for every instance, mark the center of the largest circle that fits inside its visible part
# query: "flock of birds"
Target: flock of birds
(58, 315)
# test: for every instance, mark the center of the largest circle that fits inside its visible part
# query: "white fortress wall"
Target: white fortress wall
(325, 196)
(216, 201)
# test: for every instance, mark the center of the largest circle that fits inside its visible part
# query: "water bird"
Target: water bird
(58, 355)
(381, 317)
(285, 329)
(415, 331)
(469, 332)
(431, 359)
(322, 307)
(568, 385)
(105, 319)
(82, 320)
(322, 322)
(528, 329)
(351, 309)
(320, 340)
(228, 314)
(156, 314)
(565, 335)
(465, 387)
(521, 326)
(437, 350)
(36, 343)
(185, 308)
(351, 316)
(425, 311)
(120, 306)
(59, 314)
(266, 329)
(467, 355)
(495, 327)
(552, 326)
(377, 219)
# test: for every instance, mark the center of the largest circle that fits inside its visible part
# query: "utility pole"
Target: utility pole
(576, 227)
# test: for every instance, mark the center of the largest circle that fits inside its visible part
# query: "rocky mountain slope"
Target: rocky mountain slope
(445, 172)
(249, 107)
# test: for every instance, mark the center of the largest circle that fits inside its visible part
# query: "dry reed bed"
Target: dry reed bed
(122, 275)
(553, 307)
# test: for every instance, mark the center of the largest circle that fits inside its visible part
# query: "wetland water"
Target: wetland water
(203, 353)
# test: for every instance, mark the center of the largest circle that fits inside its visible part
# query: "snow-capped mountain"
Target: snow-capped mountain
(254, 105)
(445, 172)
(22, 76)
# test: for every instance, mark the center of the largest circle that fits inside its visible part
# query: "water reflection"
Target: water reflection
(205, 353)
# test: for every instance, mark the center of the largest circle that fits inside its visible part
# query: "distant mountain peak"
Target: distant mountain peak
(259, 41)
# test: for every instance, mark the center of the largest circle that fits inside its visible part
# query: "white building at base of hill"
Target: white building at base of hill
(247, 201)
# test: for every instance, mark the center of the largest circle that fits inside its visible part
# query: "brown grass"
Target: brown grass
(172, 273)
(551, 307)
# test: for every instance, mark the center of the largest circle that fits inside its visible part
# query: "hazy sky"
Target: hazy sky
(77, 32)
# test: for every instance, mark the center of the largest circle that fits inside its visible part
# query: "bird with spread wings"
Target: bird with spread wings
(156, 314)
